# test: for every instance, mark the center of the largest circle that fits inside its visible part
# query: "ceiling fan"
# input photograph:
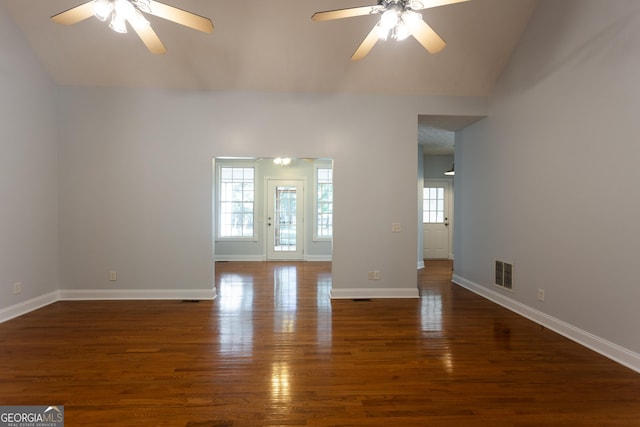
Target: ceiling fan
(119, 12)
(398, 20)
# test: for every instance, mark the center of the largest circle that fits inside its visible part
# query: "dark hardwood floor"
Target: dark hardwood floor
(273, 350)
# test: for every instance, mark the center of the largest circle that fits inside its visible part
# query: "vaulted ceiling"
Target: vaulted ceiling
(274, 45)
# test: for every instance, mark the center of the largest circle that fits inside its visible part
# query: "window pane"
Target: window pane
(237, 195)
(225, 174)
(433, 205)
(248, 175)
(324, 202)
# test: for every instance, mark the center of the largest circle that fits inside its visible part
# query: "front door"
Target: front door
(435, 218)
(285, 230)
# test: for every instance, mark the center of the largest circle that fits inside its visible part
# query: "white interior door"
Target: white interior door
(285, 220)
(435, 220)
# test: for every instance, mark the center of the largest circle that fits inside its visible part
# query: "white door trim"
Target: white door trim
(298, 254)
(448, 209)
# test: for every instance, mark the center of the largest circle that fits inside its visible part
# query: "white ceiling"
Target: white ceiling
(274, 45)
(437, 133)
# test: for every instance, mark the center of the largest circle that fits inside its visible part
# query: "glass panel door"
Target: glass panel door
(435, 219)
(285, 220)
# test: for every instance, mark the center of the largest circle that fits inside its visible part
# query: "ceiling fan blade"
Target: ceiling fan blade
(148, 37)
(74, 15)
(428, 4)
(366, 46)
(180, 16)
(345, 13)
(427, 37)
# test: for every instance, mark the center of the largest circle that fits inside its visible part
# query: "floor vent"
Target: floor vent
(504, 275)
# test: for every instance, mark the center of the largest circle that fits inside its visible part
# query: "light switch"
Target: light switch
(396, 227)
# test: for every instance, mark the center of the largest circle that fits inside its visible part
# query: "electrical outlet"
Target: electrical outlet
(17, 288)
(370, 275)
(113, 276)
(540, 294)
(376, 275)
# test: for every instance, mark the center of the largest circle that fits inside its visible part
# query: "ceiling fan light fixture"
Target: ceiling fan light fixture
(125, 9)
(102, 9)
(389, 19)
(411, 18)
(118, 12)
(401, 32)
(398, 20)
(405, 25)
(382, 32)
(118, 23)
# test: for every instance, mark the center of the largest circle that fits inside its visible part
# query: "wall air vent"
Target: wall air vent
(504, 275)
(499, 273)
(508, 276)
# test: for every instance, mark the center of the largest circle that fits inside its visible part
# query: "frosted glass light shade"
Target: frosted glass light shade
(389, 19)
(125, 9)
(118, 24)
(102, 9)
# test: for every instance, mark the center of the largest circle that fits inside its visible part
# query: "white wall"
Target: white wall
(28, 173)
(136, 180)
(549, 181)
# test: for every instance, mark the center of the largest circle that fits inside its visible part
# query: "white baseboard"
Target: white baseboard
(25, 307)
(374, 293)
(608, 349)
(240, 258)
(138, 294)
(260, 258)
(420, 265)
(316, 258)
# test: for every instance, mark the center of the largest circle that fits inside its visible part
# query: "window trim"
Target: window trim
(434, 185)
(227, 163)
(321, 165)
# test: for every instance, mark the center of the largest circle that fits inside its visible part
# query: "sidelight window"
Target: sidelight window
(324, 203)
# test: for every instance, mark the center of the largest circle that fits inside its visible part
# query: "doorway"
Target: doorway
(244, 203)
(436, 225)
(285, 219)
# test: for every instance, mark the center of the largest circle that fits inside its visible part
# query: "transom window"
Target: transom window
(237, 200)
(433, 205)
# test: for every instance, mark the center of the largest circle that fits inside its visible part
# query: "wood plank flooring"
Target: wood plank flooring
(274, 350)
